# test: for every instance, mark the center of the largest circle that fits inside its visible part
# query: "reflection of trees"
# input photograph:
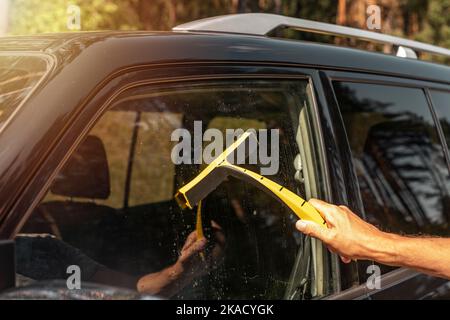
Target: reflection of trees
(350, 103)
(446, 128)
(406, 161)
(402, 173)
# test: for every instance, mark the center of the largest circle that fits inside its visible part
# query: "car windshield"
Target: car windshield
(18, 76)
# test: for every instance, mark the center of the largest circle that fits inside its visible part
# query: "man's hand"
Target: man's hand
(347, 234)
(195, 260)
(352, 238)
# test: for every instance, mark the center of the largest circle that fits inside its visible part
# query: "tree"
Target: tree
(436, 25)
(425, 20)
(38, 16)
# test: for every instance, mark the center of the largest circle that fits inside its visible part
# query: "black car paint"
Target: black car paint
(86, 69)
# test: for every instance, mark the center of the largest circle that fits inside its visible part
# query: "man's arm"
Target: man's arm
(166, 282)
(353, 238)
(192, 263)
(171, 280)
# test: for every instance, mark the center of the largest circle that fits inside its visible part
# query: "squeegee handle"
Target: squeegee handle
(302, 208)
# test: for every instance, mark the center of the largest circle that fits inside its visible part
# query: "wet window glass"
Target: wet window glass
(111, 209)
(18, 76)
(398, 157)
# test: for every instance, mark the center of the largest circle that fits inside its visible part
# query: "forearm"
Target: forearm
(166, 282)
(353, 238)
(115, 278)
(426, 254)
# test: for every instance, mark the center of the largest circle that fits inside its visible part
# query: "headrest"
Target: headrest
(86, 174)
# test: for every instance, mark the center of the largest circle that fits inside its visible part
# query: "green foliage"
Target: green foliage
(35, 16)
(38, 16)
(425, 20)
(436, 27)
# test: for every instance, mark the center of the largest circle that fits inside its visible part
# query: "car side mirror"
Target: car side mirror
(7, 265)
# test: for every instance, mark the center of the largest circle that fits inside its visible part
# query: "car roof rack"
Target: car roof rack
(261, 24)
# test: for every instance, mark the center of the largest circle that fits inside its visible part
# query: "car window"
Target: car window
(441, 104)
(18, 76)
(114, 198)
(398, 157)
(129, 139)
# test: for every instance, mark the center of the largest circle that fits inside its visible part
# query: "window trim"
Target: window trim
(388, 280)
(359, 77)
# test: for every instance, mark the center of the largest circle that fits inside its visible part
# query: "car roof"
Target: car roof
(143, 47)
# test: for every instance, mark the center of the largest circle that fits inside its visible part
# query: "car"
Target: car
(86, 159)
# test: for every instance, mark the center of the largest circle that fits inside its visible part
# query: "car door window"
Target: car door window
(113, 200)
(398, 158)
(441, 103)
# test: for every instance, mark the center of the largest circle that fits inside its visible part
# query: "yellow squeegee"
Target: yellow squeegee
(218, 170)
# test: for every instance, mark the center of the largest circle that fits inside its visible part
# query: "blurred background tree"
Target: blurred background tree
(425, 20)
(38, 16)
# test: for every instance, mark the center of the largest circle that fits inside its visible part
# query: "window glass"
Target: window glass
(398, 157)
(441, 103)
(18, 76)
(113, 200)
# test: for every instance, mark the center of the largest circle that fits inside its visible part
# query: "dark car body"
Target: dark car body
(87, 70)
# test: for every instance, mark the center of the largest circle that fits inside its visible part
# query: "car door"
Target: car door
(400, 161)
(112, 194)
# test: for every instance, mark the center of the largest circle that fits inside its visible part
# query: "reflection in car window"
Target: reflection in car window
(398, 157)
(441, 103)
(113, 200)
(18, 76)
(399, 162)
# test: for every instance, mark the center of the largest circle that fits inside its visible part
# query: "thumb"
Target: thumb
(198, 246)
(312, 229)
